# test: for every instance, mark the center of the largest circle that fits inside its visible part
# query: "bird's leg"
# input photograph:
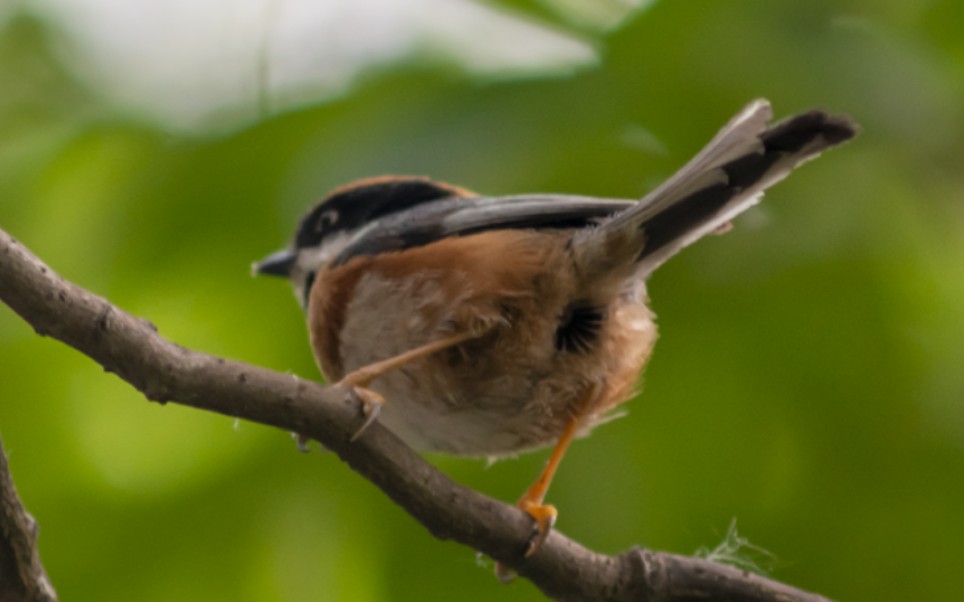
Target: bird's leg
(358, 380)
(532, 502)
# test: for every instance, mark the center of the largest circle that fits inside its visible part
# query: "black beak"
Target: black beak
(276, 264)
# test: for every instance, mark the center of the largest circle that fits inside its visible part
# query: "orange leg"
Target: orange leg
(532, 501)
(359, 379)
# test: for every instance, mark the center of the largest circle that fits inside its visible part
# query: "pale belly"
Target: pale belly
(511, 390)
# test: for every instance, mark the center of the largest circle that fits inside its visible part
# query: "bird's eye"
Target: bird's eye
(327, 220)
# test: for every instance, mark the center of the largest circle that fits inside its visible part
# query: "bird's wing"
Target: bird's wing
(428, 222)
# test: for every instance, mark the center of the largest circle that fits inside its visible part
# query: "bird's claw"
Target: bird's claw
(371, 405)
(544, 516)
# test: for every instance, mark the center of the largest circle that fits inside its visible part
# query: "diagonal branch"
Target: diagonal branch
(165, 372)
(22, 577)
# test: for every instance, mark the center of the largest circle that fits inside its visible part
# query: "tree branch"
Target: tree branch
(164, 371)
(22, 577)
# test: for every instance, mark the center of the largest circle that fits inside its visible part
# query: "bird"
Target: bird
(487, 326)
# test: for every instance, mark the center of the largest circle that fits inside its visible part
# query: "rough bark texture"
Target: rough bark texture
(165, 372)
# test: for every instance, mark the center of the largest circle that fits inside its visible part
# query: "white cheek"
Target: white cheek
(313, 259)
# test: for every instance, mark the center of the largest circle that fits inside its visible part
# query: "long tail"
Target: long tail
(726, 178)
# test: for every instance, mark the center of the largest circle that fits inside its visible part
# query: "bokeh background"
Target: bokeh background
(809, 378)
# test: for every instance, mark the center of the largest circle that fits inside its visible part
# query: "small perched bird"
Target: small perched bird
(485, 326)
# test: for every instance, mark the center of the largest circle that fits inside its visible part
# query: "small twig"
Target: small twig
(163, 371)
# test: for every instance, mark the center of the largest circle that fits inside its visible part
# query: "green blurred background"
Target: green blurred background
(809, 378)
